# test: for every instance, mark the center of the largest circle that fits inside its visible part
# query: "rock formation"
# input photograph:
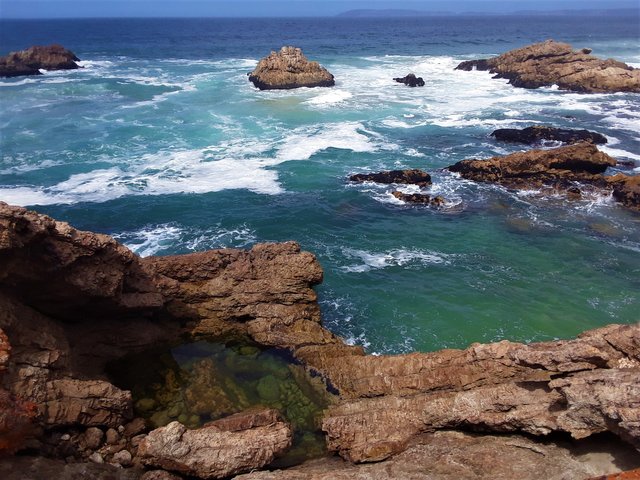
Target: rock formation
(70, 301)
(226, 447)
(411, 80)
(419, 198)
(559, 169)
(287, 69)
(30, 61)
(539, 134)
(412, 177)
(553, 63)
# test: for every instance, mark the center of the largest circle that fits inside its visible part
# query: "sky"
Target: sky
(268, 8)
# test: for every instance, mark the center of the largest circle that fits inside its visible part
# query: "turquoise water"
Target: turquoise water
(162, 142)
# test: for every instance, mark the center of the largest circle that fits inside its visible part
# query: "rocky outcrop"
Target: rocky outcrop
(449, 455)
(230, 446)
(626, 189)
(558, 170)
(419, 198)
(30, 61)
(539, 134)
(287, 69)
(411, 80)
(553, 63)
(410, 177)
(504, 387)
(534, 168)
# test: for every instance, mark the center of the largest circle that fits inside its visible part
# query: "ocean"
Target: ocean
(161, 141)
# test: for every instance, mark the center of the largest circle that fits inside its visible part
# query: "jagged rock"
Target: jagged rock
(230, 446)
(538, 134)
(626, 189)
(534, 168)
(413, 177)
(411, 80)
(287, 69)
(497, 387)
(449, 455)
(553, 63)
(30, 61)
(419, 198)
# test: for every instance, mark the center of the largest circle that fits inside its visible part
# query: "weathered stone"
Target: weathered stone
(553, 63)
(40, 468)
(448, 455)
(214, 451)
(30, 61)
(160, 475)
(419, 198)
(626, 189)
(134, 427)
(411, 80)
(93, 438)
(413, 177)
(539, 133)
(112, 437)
(123, 457)
(287, 69)
(96, 457)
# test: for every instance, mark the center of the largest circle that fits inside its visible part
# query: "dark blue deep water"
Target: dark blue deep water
(162, 142)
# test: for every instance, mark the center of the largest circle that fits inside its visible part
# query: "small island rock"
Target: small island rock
(411, 80)
(540, 133)
(30, 61)
(287, 69)
(554, 63)
(411, 177)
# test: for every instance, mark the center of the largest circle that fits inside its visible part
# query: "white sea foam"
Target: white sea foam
(399, 257)
(618, 153)
(330, 98)
(154, 239)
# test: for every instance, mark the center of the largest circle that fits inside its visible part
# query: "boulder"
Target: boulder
(220, 449)
(30, 61)
(287, 69)
(411, 80)
(534, 168)
(419, 198)
(626, 189)
(539, 134)
(410, 177)
(554, 63)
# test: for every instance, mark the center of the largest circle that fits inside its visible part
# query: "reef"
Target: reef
(288, 69)
(408, 177)
(411, 80)
(553, 63)
(31, 60)
(73, 302)
(540, 134)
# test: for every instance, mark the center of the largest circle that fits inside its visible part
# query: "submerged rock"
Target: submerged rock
(411, 80)
(30, 61)
(413, 177)
(287, 69)
(553, 63)
(538, 133)
(222, 448)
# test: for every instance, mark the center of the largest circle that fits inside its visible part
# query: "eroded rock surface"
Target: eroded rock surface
(626, 189)
(412, 177)
(449, 455)
(554, 63)
(287, 69)
(540, 133)
(30, 61)
(222, 448)
(419, 198)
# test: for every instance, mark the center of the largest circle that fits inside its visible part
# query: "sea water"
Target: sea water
(161, 141)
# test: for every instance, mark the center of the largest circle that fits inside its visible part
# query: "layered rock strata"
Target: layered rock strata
(540, 133)
(554, 63)
(30, 61)
(288, 69)
(566, 169)
(111, 303)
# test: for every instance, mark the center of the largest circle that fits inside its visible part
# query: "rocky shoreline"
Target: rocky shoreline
(31, 60)
(72, 301)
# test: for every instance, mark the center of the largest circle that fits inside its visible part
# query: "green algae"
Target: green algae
(198, 382)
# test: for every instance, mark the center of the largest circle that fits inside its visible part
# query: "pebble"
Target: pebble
(95, 457)
(66, 437)
(123, 457)
(93, 437)
(112, 436)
